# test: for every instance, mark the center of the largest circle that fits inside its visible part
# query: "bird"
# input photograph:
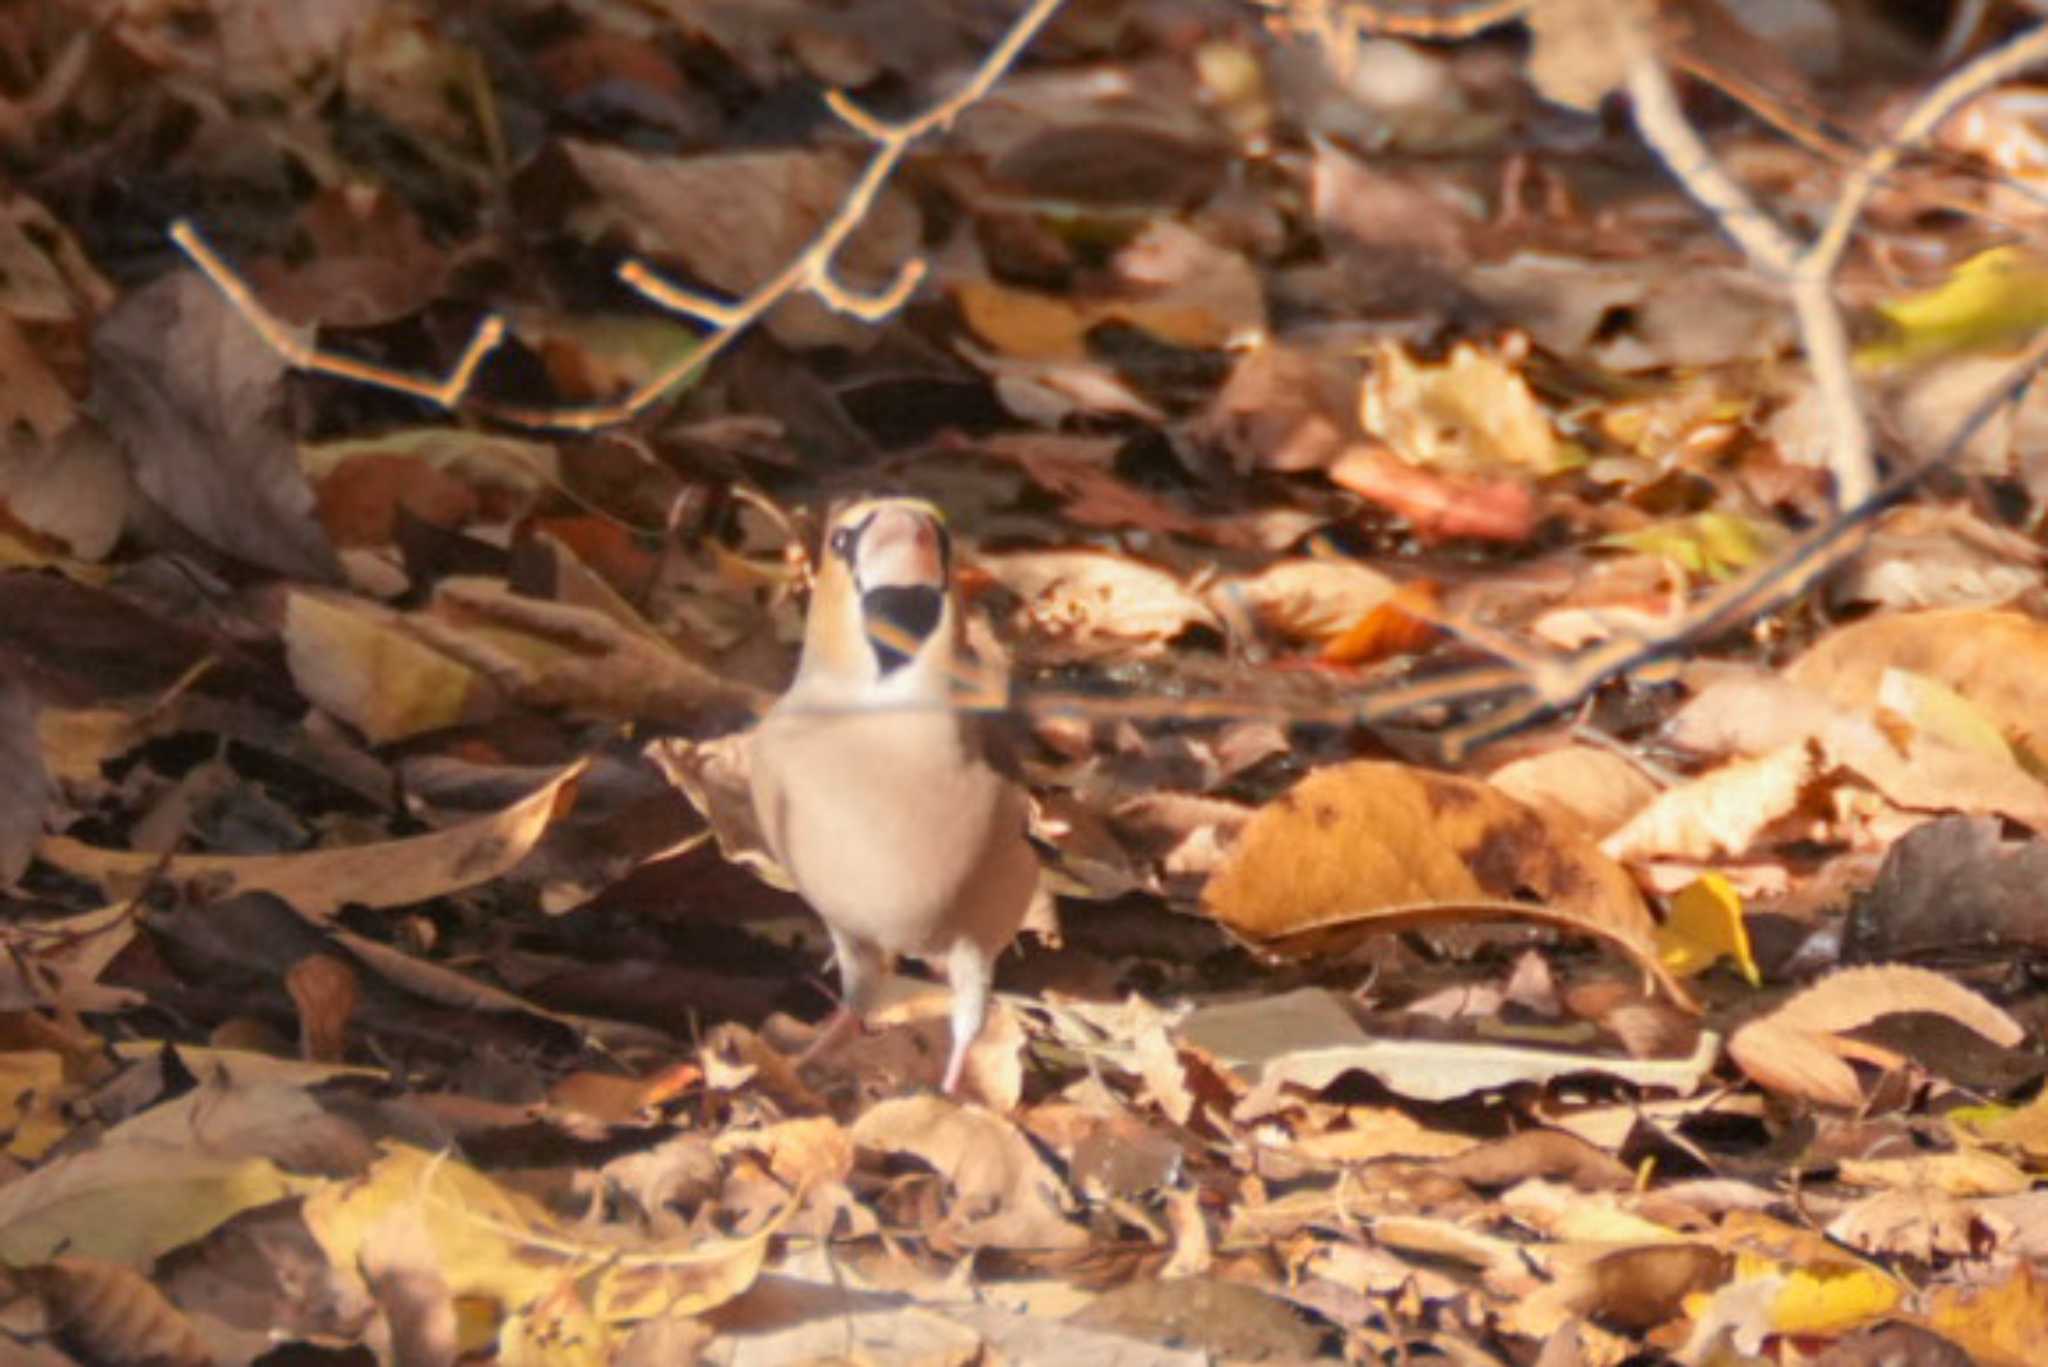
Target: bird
(885, 802)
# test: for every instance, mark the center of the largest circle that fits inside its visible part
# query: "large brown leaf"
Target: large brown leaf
(1373, 846)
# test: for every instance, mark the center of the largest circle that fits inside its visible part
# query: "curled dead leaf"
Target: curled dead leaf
(1798, 1050)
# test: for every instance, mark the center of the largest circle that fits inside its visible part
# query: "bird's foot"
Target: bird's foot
(843, 1026)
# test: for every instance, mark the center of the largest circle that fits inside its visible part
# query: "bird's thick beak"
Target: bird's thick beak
(901, 548)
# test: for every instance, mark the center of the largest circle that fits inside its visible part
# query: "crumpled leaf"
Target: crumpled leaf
(1721, 812)
(1082, 605)
(1472, 414)
(1001, 1193)
(504, 1248)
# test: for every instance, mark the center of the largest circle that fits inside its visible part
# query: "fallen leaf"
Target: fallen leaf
(1722, 812)
(29, 793)
(1704, 926)
(205, 427)
(1000, 1192)
(1371, 846)
(319, 883)
(1081, 605)
(131, 1203)
(360, 664)
(106, 1312)
(1798, 1049)
(1471, 415)
(1998, 660)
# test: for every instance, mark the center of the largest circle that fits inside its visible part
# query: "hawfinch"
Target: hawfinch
(874, 792)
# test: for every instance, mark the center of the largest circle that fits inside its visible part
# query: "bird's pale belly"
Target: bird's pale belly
(878, 866)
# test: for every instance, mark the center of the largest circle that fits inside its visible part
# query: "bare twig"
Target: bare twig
(810, 272)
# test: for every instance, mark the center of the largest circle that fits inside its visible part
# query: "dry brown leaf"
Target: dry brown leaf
(1092, 605)
(1587, 784)
(1916, 1223)
(1643, 1287)
(320, 882)
(1001, 1193)
(1858, 996)
(602, 659)
(1940, 557)
(1285, 408)
(74, 488)
(29, 793)
(204, 423)
(1795, 1063)
(1998, 660)
(1306, 599)
(1721, 812)
(1797, 1050)
(438, 983)
(108, 1313)
(1372, 846)
(1920, 772)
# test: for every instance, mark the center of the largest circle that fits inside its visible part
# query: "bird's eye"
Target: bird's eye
(842, 543)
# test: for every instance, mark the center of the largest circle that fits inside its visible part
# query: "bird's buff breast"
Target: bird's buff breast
(881, 823)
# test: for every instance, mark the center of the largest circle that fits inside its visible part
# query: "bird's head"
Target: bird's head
(882, 600)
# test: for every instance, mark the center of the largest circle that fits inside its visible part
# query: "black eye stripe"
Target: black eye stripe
(846, 540)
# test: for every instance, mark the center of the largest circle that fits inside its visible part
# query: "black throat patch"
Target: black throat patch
(899, 618)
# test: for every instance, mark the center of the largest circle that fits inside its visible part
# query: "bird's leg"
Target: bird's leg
(860, 971)
(970, 969)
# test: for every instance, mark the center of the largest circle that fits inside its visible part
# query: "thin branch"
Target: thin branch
(286, 341)
(810, 272)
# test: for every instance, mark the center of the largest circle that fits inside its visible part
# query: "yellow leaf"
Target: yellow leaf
(1705, 926)
(1829, 1298)
(1995, 298)
(372, 674)
(1712, 545)
(2004, 1323)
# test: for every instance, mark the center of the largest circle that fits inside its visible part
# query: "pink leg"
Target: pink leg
(845, 1023)
(860, 966)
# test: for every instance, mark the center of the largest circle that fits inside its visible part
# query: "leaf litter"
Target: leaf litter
(388, 968)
